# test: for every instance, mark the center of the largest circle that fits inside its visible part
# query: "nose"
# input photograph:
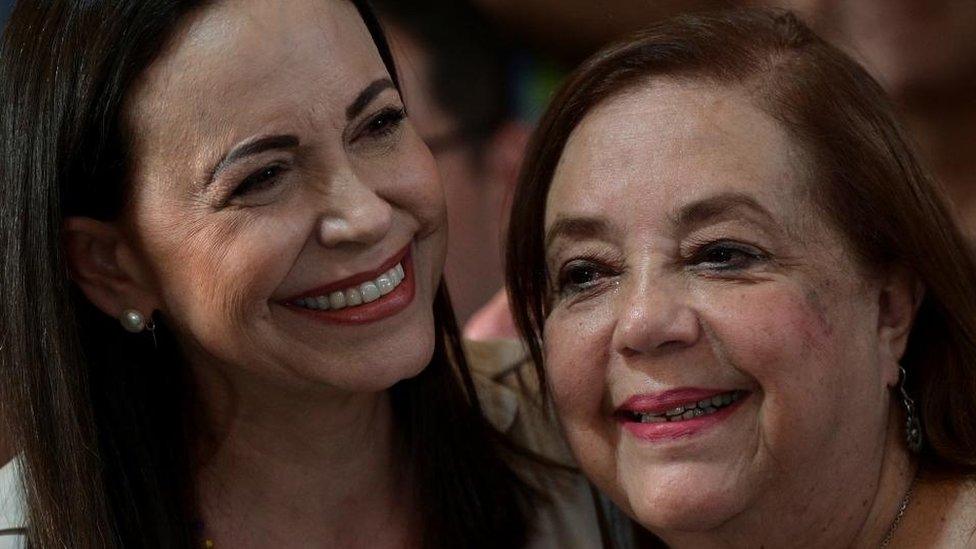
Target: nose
(356, 215)
(654, 318)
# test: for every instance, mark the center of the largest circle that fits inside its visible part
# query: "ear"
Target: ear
(898, 302)
(106, 268)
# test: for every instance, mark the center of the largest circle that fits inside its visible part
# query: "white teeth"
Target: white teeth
(354, 297)
(718, 400)
(384, 284)
(370, 292)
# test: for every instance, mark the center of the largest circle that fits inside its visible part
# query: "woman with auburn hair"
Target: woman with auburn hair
(223, 318)
(756, 318)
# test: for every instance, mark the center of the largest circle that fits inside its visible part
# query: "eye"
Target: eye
(385, 122)
(726, 256)
(263, 179)
(581, 275)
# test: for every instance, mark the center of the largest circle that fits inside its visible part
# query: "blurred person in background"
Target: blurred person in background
(924, 53)
(458, 85)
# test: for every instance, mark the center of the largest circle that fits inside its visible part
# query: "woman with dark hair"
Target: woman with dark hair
(756, 318)
(223, 321)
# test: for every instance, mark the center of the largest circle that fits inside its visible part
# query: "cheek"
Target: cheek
(576, 350)
(216, 278)
(808, 358)
(577, 347)
(418, 187)
(417, 190)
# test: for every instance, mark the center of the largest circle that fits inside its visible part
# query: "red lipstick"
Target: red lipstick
(385, 306)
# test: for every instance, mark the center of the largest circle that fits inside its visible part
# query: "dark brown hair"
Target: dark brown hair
(863, 173)
(105, 422)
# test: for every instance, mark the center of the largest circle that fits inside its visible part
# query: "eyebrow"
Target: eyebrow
(708, 209)
(579, 228)
(367, 96)
(251, 148)
(273, 142)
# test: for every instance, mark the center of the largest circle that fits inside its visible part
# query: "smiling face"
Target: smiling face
(275, 175)
(712, 348)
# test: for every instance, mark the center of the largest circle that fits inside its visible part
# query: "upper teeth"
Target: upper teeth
(691, 410)
(367, 292)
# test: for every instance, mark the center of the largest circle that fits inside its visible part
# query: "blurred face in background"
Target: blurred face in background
(912, 46)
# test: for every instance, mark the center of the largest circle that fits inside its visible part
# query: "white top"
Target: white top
(12, 516)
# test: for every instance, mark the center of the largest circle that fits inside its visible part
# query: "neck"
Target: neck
(280, 466)
(842, 507)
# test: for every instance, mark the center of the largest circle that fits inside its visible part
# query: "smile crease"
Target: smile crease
(360, 294)
(690, 410)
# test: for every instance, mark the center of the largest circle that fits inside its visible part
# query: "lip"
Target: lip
(662, 402)
(355, 279)
(384, 307)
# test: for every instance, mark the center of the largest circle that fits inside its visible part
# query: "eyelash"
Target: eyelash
(595, 265)
(596, 268)
(381, 125)
(259, 180)
(385, 122)
(742, 255)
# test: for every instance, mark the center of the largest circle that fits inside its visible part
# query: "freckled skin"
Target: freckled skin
(797, 329)
(243, 70)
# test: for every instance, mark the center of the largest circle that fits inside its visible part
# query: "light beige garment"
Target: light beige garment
(12, 516)
(510, 399)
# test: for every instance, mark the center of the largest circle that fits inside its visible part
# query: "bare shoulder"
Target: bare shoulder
(943, 514)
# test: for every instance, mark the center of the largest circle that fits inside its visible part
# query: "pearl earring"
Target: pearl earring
(133, 321)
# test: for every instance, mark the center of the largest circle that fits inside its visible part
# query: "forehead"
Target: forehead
(241, 65)
(640, 156)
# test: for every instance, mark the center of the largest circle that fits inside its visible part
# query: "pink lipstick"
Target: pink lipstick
(677, 413)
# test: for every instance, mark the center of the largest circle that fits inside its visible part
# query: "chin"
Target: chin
(684, 499)
(401, 355)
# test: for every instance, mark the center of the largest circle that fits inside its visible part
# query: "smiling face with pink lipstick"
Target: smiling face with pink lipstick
(722, 255)
(711, 346)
